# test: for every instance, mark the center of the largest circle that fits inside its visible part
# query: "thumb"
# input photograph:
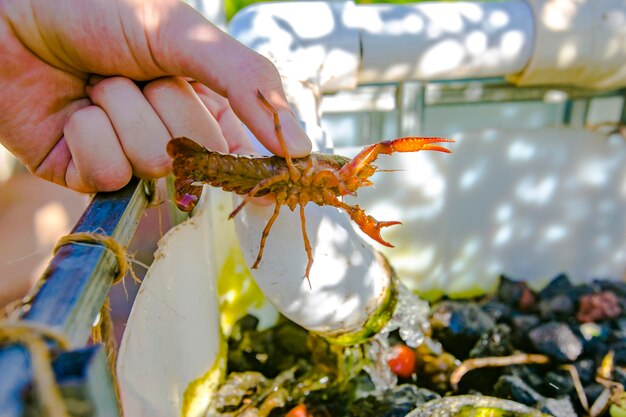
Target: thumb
(228, 67)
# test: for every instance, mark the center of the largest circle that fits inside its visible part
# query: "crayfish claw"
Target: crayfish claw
(436, 148)
(373, 231)
(371, 227)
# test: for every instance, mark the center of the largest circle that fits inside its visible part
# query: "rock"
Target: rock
(458, 326)
(516, 294)
(524, 322)
(496, 342)
(619, 348)
(497, 310)
(396, 402)
(556, 340)
(619, 329)
(596, 307)
(619, 375)
(586, 369)
(557, 384)
(561, 407)
(514, 388)
(617, 287)
(594, 337)
(521, 325)
(559, 307)
(531, 374)
(558, 285)
(593, 391)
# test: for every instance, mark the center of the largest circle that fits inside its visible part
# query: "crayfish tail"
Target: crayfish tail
(187, 193)
(183, 147)
(186, 155)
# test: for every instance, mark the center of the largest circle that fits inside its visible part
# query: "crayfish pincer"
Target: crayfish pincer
(318, 178)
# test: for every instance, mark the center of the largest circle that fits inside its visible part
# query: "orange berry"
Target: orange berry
(298, 411)
(401, 360)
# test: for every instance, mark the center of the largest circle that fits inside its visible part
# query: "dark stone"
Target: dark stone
(586, 369)
(604, 305)
(556, 340)
(617, 287)
(514, 388)
(557, 384)
(619, 349)
(458, 326)
(619, 375)
(557, 407)
(498, 311)
(521, 325)
(558, 285)
(516, 294)
(480, 380)
(524, 322)
(496, 342)
(594, 337)
(396, 402)
(593, 391)
(619, 329)
(559, 307)
(533, 375)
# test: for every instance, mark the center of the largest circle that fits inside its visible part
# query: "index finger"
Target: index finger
(223, 64)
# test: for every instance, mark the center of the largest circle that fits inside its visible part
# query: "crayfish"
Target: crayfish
(318, 178)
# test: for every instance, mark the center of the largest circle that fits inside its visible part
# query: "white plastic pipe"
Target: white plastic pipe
(337, 45)
(351, 292)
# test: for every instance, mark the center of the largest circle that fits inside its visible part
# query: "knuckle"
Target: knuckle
(161, 85)
(153, 168)
(264, 70)
(82, 116)
(108, 87)
(110, 179)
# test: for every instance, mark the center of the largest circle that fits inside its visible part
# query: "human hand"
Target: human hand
(71, 111)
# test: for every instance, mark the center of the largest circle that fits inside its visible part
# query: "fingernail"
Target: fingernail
(296, 139)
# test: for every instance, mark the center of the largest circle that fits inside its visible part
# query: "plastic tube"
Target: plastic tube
(338, 45)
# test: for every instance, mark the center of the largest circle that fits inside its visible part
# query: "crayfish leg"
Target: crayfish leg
(307, 246)
(266, 232)
(293, 172)
(267, 182)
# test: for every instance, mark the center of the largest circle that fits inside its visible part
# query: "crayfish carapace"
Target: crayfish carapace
(318, 178)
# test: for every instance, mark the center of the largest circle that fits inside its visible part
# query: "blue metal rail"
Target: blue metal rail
(75, 286)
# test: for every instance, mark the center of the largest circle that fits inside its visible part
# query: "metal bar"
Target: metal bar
(622, 118)
(75, 285)
(384, 97)
(85, 384)
(444, 93)
(410, 99)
